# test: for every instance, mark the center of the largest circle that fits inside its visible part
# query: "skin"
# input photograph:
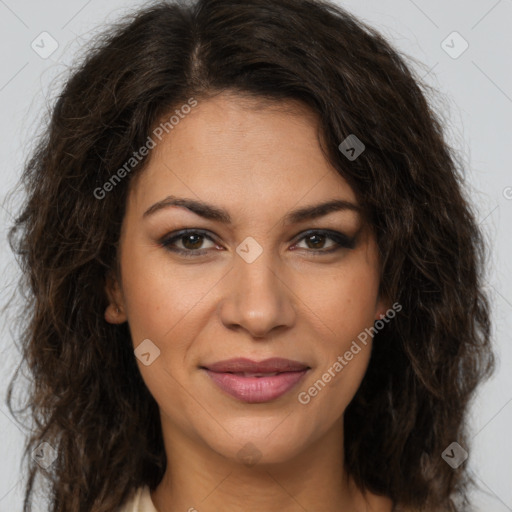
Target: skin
(258, 162)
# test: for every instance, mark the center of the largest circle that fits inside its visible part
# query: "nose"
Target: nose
(257, 299)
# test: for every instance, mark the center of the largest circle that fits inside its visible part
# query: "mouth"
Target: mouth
(256, 382)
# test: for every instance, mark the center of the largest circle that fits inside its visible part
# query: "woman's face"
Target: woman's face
(256, 286)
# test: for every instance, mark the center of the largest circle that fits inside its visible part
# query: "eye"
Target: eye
(315, 239)
(191, 240)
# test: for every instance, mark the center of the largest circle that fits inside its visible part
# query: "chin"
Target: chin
(274, 440)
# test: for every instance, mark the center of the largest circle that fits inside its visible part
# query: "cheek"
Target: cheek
(345, 302)
(346, 306)
(159, 300)
(163, 305)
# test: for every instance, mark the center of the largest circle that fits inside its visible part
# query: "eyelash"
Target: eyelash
(342, 242)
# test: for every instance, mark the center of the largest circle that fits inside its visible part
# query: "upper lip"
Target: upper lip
(274, 364)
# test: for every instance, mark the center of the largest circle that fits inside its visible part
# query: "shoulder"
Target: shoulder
(139, 502)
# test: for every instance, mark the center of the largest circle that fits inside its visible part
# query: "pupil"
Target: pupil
(195, 245)
(315, 244)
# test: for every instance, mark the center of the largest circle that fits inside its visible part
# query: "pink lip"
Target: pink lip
(256, 389)
(229, 376)
(242, 364)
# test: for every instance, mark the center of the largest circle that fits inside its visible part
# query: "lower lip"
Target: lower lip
(256, 389)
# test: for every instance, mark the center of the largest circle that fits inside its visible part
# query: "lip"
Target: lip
(242, 364)
(229, 377)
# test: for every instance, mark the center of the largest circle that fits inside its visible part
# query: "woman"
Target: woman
(254, 281)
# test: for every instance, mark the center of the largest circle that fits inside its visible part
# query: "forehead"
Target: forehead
(245, 150)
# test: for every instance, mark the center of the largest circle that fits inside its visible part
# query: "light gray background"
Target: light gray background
(476, 103)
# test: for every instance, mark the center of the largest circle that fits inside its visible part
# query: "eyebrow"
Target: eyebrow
(215, 213)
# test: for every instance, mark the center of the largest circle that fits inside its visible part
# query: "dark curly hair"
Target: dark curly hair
(87, 398)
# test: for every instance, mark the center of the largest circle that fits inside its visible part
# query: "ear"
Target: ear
(382, 306)
(115, 311)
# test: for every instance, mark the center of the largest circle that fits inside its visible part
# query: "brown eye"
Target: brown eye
(191, 242)
(315, 241)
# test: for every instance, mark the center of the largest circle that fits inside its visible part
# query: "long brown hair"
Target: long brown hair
(87, 399)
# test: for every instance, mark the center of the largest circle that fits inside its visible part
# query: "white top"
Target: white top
(140, 502)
